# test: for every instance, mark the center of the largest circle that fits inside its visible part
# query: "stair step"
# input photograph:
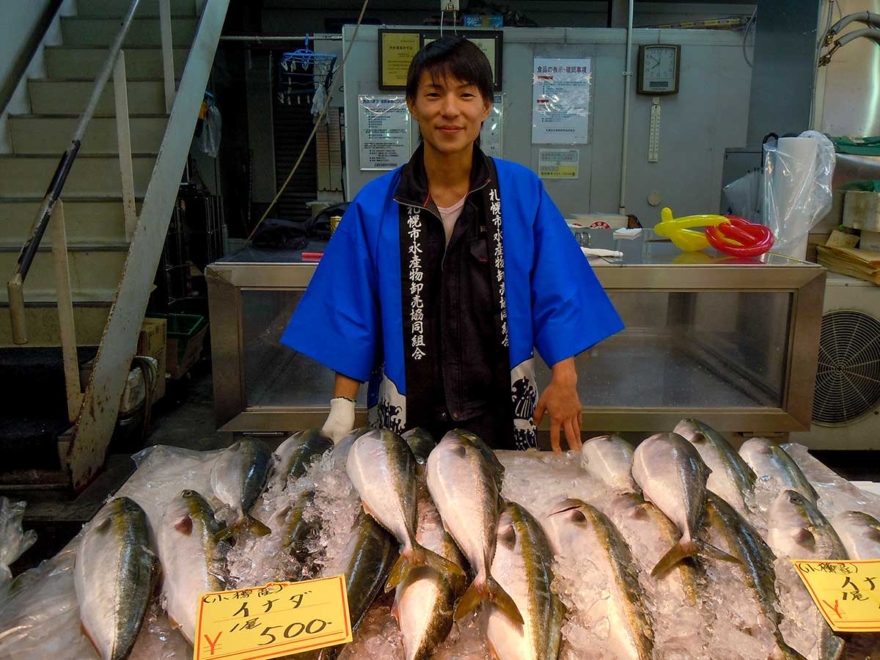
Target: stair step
(68, 62)
(94, 275)
(146, 8)
(70, 97)
(143, 31)
(42, 323)
(88, 220)
(90, 175)
(40, 134)
(34, 412)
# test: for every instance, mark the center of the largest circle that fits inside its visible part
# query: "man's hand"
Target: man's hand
(560, 399)
(340, 421)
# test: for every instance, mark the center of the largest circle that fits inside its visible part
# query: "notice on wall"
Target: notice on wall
(558, 163)
(561, 100)
(384, 131)
(493, 129)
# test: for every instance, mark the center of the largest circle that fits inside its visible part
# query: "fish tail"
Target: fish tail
(716, 553)
(399, 570)
(441, 564)
(487, 590)
(679, 552)
(502, 600)
(469, 601)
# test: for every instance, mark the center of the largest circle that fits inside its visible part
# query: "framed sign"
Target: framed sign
(398, 47)
(396, 50)
(489, 41)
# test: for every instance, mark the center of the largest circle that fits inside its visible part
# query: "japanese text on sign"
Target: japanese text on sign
(847, 593)
(272, 621)
(561, 100)
(384, 132)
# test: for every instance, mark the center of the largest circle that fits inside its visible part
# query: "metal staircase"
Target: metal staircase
(104, 209)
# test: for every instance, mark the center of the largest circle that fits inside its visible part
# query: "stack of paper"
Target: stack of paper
(850, 261)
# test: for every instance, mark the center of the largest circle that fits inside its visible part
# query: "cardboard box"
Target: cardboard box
(153, 343)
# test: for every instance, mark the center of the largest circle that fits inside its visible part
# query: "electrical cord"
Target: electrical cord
(749, 25)
(318, 122)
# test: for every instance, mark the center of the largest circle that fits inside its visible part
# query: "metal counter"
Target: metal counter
(732, 341)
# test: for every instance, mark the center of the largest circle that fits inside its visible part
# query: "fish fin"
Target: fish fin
(226, 533)
(493, 653)
(441, 564)
(698, 439)
(184, 525)
(716, 553)
(804, 537)
(679, 552)
(468, 602)
(256, 527)
(398, 571)
(566, 505)
(502, 600)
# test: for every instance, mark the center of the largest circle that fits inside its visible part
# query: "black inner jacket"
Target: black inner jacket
(470, 386)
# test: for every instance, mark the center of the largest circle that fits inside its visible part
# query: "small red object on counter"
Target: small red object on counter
(740, 238)
(312, 256)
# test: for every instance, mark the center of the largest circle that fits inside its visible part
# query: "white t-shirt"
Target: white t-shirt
(449, 215)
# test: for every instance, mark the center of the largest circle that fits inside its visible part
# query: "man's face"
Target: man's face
(449, 112)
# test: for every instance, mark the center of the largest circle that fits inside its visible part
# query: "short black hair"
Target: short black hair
(454, 57)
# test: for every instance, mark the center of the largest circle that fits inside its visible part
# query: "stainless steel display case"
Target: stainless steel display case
(732, 341)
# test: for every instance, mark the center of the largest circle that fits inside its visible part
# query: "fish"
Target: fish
(522, 566)
(770, 462)
(731, 477)
(425, 601)
(631, 514)
(609, 459)
(421, 442)
(485, 450)
(113, 577)
(464, 487)
(382, 469)
(365, 562)
(796, 529)
(239, 477)
(339, 453)
(860, 534)
(728, 529)
(673, 477)
(296, 454)
(294, 527)
(577, 529)
(193, 559)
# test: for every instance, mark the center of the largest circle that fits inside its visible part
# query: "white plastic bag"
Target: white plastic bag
(797, 188)
(208, 141)
(14, 541)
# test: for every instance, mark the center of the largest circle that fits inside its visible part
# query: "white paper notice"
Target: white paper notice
(558, 163)
(384, 132)
(493, 129)
(561, 101)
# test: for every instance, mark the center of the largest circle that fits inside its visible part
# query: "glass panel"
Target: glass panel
(275, 375)
(689, 350)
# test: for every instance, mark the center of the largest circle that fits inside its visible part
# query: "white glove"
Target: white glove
(340, 421)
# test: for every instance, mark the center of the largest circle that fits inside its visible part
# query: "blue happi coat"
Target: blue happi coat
(351, 318)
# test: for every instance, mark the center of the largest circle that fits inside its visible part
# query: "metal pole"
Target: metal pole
(627, 79)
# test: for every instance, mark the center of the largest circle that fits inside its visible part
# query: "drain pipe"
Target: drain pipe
(627, 80)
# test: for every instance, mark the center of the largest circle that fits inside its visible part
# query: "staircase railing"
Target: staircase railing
(51, 209)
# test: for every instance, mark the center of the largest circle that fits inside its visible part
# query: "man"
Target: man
(445, 274)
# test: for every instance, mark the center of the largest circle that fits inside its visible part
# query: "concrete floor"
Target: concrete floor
(185, 418)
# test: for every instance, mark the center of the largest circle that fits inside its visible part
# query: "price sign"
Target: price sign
(847, 593)
(278, 619)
